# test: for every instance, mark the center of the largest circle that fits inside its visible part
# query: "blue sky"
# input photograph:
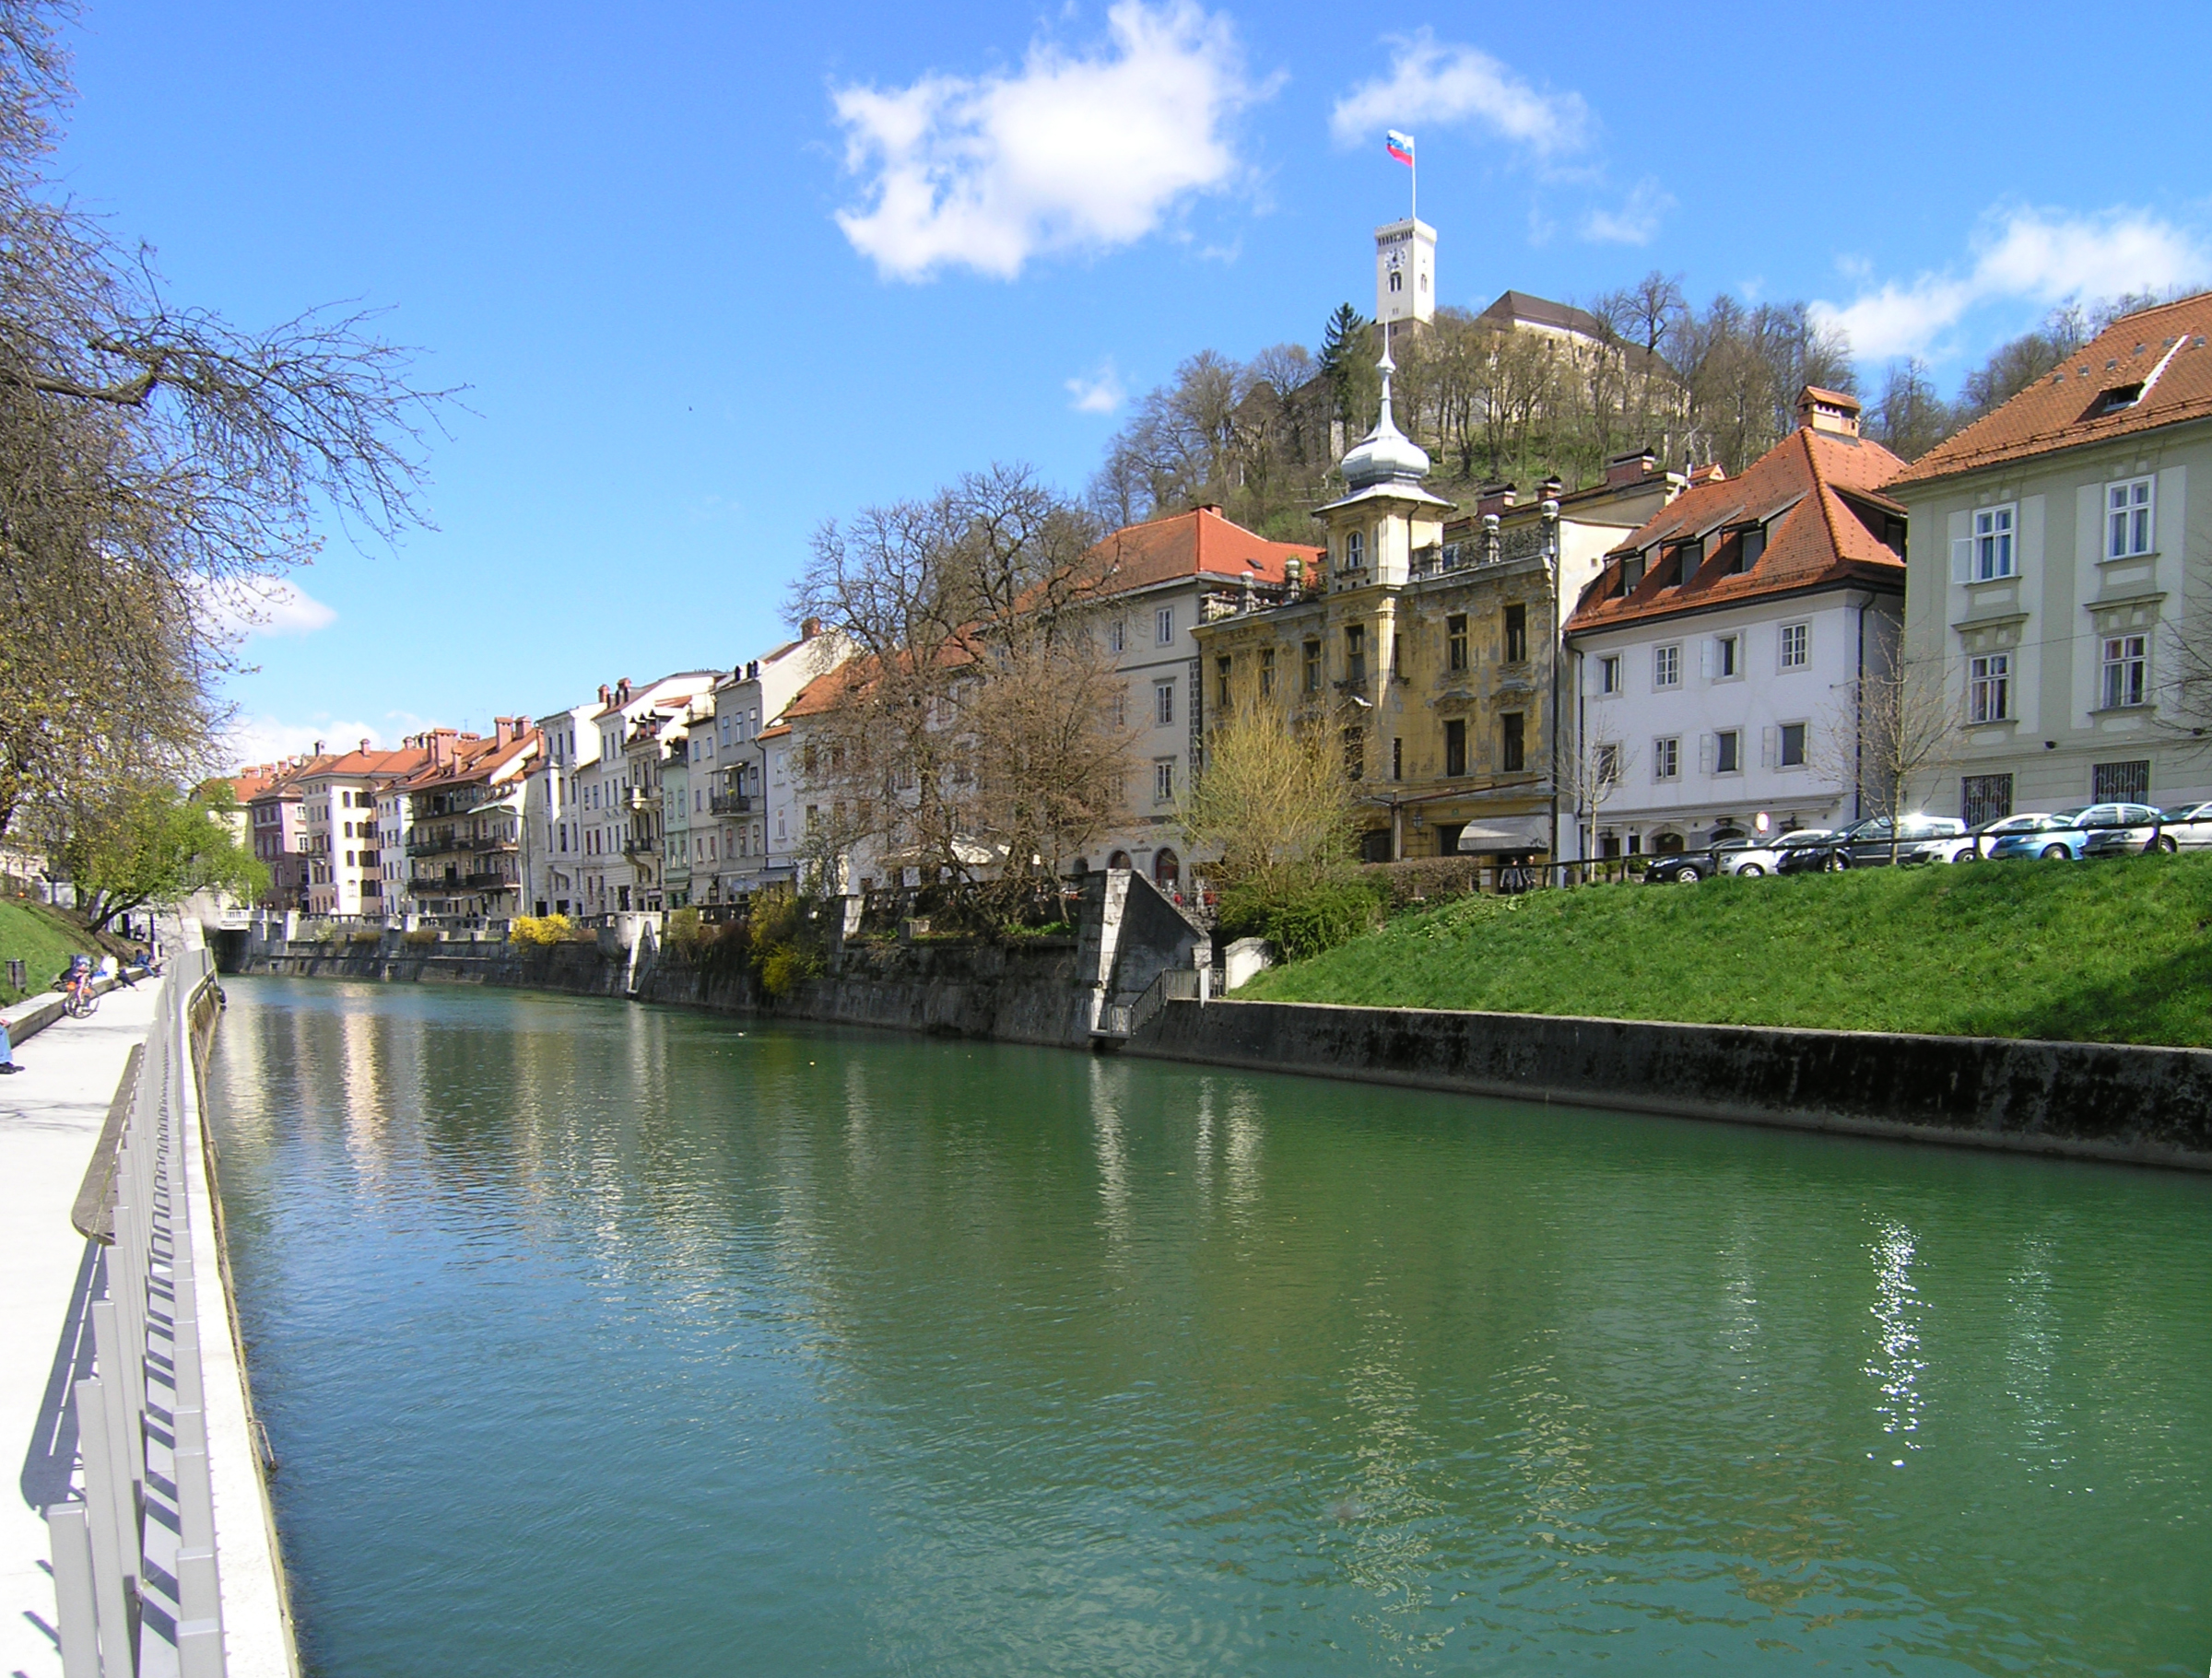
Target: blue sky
(713, 274)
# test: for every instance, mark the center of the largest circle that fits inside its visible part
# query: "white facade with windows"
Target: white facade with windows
(2063, 572)
(1708, 720)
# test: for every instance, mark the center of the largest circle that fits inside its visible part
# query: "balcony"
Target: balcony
(731, 803)
(431, 847)
(636, 798)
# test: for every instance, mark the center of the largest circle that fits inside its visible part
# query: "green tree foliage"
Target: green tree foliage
(153, 845)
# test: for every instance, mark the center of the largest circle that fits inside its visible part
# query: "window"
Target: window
(1455, 642)
(1355, 652)
(1666, 758)
(1397, 656)
(1266, 671)
(1456, 747)
(2128, 525)
(1163, 703)
(1631, 573)
(2125, 662)
(1510, 752)
(1992, 545)
(1796, 646)
(1312, 666)
(1116, 632)
(1163, 626)
(1355, 550)
(1792, 753)
(1163, 781)
(1605, 760)
(1355, 753)
(1516, 635)
(1989, 687)
(1984, 798)
(1728, 752)
(1397, 759)
(1752, 545)
(1222, 667)
(1609, 673)
(1720, 660)
(2120, 782)
(1666, 666)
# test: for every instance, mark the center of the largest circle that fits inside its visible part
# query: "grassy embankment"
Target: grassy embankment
(43, 939)
(2116, 951)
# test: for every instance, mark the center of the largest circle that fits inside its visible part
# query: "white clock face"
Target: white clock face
(1397, 260)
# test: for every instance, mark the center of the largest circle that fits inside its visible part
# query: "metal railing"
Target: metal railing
(1170, 984)
(136, 1573)
(730, 803)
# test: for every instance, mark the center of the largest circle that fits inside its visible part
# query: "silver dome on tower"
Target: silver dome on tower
(1386, 455)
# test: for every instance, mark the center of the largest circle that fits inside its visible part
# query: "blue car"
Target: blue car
(2066, 833)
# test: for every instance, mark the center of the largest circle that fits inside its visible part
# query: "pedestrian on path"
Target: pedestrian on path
(7, 1050)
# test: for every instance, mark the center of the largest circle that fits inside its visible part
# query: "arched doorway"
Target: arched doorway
(1119, 859)
(1666, 844)
(1166, 870)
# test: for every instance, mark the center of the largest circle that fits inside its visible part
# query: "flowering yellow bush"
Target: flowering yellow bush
(538, 932)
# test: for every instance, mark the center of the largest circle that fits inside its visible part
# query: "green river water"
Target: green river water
(599, 1339)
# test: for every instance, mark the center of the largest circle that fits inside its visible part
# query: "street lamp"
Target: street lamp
(1549, 513)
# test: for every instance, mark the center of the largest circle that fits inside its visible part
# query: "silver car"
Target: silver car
(1973, 845)
(2141, 829)
(2188, 828)
(1760, 857)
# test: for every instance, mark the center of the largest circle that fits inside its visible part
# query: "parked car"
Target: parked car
(1689, 867)
(1973, 844)
(1866, 844)
(2188, 828)
(2066, 833)
(1764, 856)
(2137, 839)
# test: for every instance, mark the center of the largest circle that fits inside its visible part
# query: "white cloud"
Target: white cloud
(2037, 257)
(1074, 152)
(267, 606)
(1100, 392)
(1636, 222)
(266, 739)
(1430, 82)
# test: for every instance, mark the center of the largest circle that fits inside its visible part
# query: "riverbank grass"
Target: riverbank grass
(2117, 951)
(42, 939)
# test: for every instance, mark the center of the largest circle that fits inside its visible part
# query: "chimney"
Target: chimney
(442, 747)
(1633, 468)
(810, 628)
(622, 690)
(1212, 506)
(364, 745)
(318, 748)
(1494, 497)
(1835, 412)
(606, 696)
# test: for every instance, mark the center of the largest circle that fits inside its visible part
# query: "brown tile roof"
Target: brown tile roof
(370, 765)
(1192, 544)
(475, 757)
(2163, 348)
(1805, 489)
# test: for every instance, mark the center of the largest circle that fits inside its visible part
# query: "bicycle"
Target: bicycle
(78, 999)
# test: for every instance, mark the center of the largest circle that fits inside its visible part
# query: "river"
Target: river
(596, 1339)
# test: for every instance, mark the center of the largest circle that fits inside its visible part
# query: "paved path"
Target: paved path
(50, 1116)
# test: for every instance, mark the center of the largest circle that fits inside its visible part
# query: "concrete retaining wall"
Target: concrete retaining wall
(586, 969)
(2094, 1100)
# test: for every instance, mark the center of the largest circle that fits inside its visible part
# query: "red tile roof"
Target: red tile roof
(2162, 350)
(1805, 489)
(475, 757)
(1192, 544)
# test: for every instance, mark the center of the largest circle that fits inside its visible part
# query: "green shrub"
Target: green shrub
(363, 936)
(420, 936)
(1301, 920)
(683, 931)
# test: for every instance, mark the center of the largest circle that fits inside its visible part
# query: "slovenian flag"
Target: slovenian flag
(1399, 146)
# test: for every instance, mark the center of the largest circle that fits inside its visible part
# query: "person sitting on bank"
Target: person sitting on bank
(7, 1050)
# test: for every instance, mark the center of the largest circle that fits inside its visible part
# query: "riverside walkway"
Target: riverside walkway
(51, 1115)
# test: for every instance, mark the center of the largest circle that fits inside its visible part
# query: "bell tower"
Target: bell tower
(1404, 274)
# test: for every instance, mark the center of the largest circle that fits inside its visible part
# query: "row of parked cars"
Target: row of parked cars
(2087, 830)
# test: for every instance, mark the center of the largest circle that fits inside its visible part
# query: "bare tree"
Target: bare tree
(159, 468)
(1890, 733)
(1591, 775)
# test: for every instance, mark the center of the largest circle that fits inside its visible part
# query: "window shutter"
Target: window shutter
(1770, 749)
(1705, 754)
(1705, 658)
(1962, 559)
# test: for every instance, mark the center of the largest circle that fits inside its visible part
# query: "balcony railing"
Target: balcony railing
(731, 803)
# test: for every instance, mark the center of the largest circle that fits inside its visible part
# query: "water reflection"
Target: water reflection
(595, 1339)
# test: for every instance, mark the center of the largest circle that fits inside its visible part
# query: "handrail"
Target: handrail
(92, 1214)
(136, 1576)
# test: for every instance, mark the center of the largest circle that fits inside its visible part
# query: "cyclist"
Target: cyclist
(78, 998)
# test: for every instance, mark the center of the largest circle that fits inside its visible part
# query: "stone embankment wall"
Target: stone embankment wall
(585, 969)
(2097, 1100)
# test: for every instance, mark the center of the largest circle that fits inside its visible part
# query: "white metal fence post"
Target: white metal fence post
(76, 1620)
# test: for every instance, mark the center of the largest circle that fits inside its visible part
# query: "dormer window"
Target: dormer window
(1631, 573)
(1749, 547)
(2119, 396)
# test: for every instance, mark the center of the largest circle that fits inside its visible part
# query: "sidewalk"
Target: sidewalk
(51, 1114)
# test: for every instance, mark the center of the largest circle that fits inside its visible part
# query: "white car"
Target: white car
(1973, 846)
(2189, 829)
(1761, 857)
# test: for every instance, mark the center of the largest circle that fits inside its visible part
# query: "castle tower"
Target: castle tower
(1386, 514)
(1404, 275)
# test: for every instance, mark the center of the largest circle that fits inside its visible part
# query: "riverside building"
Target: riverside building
(2056, 593)
(1713, 660)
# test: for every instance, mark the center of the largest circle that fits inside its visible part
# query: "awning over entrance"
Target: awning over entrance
(1506, 836)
